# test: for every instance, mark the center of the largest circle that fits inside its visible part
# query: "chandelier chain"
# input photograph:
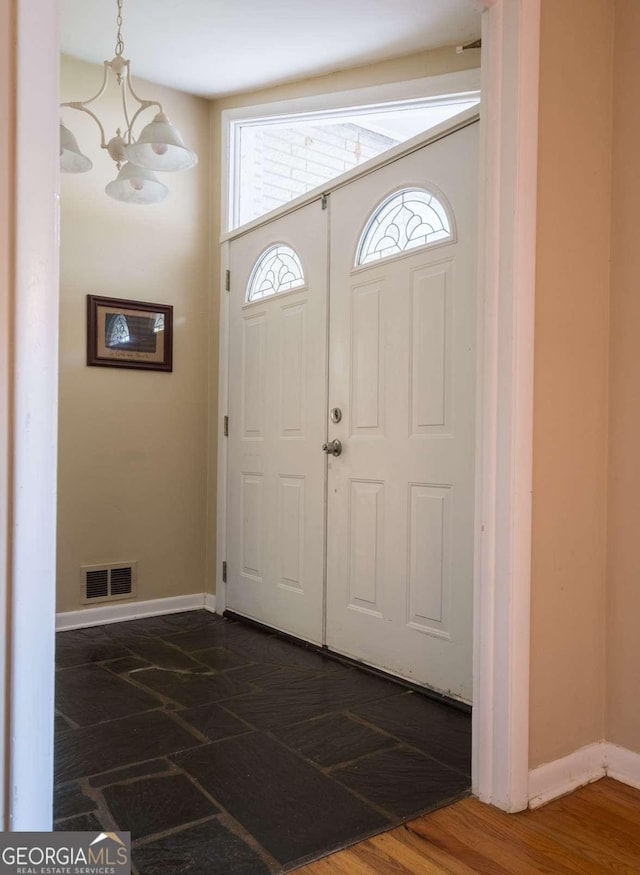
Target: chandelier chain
(119, 39)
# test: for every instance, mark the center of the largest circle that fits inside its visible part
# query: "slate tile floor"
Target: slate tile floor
(225, 750)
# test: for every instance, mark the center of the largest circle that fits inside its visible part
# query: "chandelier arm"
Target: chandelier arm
(103, 88)
(125, 110)
(82, 108)
(145, 103)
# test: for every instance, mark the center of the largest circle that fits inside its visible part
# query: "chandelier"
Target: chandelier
(159, 146)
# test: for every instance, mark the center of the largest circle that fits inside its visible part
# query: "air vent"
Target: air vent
(97, 584)
(121, 580)
(106, 583)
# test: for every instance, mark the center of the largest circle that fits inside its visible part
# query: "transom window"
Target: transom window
(281, 151)
(405, 220)
(277, 270)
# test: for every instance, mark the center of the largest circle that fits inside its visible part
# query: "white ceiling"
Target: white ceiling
(216, 47)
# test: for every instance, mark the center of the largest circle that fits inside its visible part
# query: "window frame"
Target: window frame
(424, 187)
(256, 266)
(461, 85)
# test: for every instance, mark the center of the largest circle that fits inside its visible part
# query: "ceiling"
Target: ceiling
(218, 47)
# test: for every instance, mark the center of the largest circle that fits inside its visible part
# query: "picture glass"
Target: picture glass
(129, 334)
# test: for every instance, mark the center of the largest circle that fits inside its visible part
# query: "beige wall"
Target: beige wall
(571, 351)
(623, 606)
(133, 444)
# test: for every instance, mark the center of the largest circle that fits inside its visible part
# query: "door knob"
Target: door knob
(333, 448)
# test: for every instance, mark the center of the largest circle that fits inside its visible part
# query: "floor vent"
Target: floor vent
(107, 583)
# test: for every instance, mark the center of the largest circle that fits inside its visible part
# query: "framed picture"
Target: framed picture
(129, 334)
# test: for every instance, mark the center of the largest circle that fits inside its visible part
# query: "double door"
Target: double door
(352, 418)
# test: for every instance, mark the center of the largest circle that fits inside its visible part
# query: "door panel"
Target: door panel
(402, 370)
(277, 424)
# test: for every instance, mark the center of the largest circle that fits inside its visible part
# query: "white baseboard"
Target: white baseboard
(561, 776)
(119, 612)
(588, 764)
(622, 764)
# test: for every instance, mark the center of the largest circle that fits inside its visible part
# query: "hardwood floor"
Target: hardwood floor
(593, 831)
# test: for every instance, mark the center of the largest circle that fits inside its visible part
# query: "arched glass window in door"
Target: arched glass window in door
(406, 219)
(277, 270)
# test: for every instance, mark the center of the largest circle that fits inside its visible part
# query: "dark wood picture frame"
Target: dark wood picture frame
(129, 334)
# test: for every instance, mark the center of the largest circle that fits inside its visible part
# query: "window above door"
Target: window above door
(280, 152)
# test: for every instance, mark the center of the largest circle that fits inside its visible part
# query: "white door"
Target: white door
(277, 423)
(402, 372)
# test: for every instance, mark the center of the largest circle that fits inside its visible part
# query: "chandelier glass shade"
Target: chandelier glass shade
(136, 185)
(159, 145)
(71, 158)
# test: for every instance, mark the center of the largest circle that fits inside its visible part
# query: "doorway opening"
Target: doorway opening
(508, 243)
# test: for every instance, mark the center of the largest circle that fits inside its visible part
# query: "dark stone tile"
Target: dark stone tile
(196, 639)
(281, 677)
(91, 694)
(285, 803)
(82, 823)
(149, 626)
(438, 730)
(403, 781)
(69, 800)
(81, 646)
(238, 637)
(61, 725)
(163, 655)
(220, 658)
(167, 624)
(192, 620)
(213, 721)
(95, 749)
(139, 770)
(256, 645)
(154, 805)
(191, 689)
(126, 664)
(334, 739)
(261, 647)
(163, 626)
(300, 700)
(229, 644)
(207, 849)
(252, 673)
